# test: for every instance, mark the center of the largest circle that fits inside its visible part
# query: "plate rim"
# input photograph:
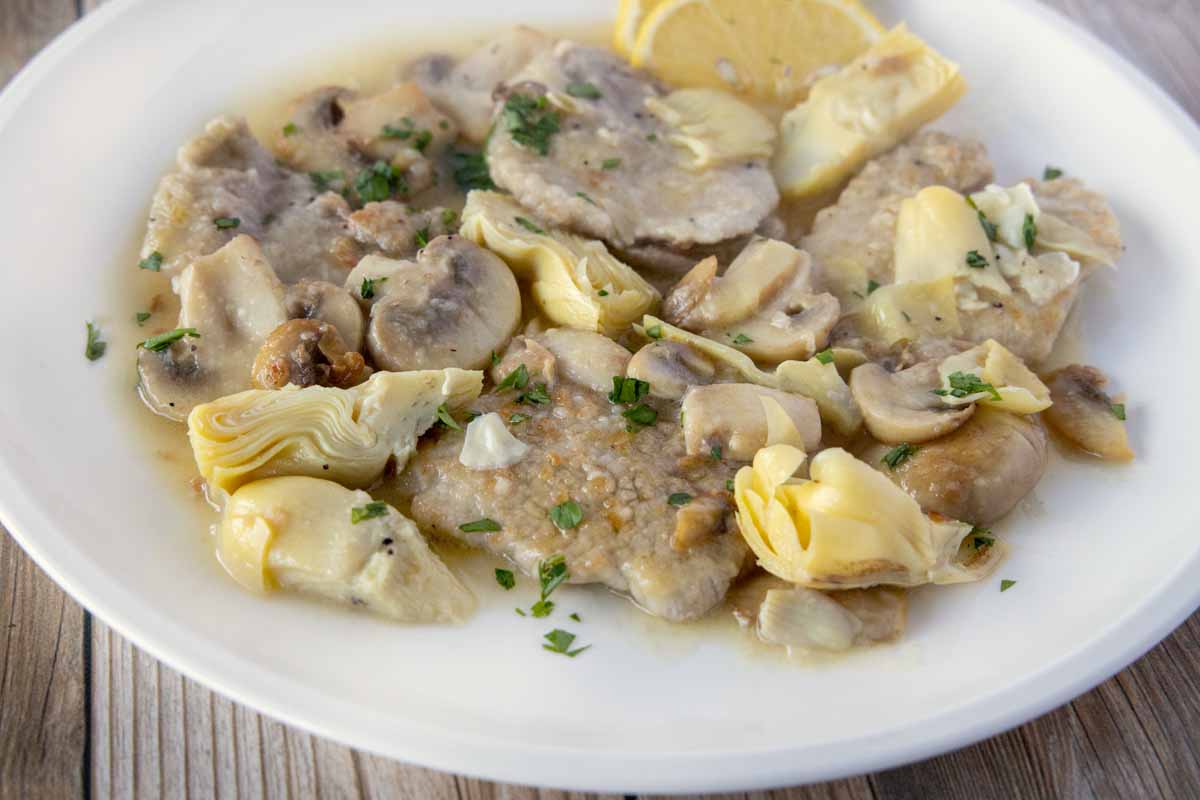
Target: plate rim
(1117, 645)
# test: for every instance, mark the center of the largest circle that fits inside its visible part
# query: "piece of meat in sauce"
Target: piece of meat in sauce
(675, 561)
(609, 170)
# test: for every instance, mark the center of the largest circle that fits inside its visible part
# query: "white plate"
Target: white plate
(1106, 559)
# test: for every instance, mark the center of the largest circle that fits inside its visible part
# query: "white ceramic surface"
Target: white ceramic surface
(1107, 560)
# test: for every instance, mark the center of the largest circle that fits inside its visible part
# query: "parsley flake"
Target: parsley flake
(371, 510)
(585, 196)
(1029, 231)
(610, 163)
(528, 225)
(583, 89)
(517, 419)
(449, 217)
(715, 452)
(872, 285)
(551, 573)
(627, 390)
(367, 290)
(225, 223)
(324, 181)
(422, 140)
(981, 537)
(517, 379)
(1118, 410)
(95, 346)
(542, 608)
(141, 317)
(421, 238)
(963, 384)
(446, 418)
(1006, 584)
(976, 261)
(505, 578)
(152, 262)
(899, 454)
(156, 344)
(566, 515)
(560, 642)
(471, 171)
(1051, 173)
(291, 129)
(825, 356)
(379, 182)
(742, 338)
(640, 416)
(530, 121)
(538, 394)
(655, 331)
(576, 617)
(679, 499)
(729, 484)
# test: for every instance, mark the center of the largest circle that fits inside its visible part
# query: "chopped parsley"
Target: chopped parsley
(156, 344)
(152, 262)
(825, 356)
(379, 182)
(291, 129)
(1006, 584)
(520, 611)
(530, 121)
(679, 499)
(610, 163)
(560, 642)
(224, 223)
(988, 226)
(583, 89)
(715, 452)
(1118, 410)
(981, 537)
(517, 379)
(654, 332)
(446, 418)
(449, 217)
(584, 195)
(640, 416)
(538, 394)
(742, 338)
(495, 358)
(95, 346)
(528, 225)
(566, 515)
(471, 171)
(976, 261)
(1029, 231)
(141, 317)
(367, 290)
(542, 608)
(505, 578)
(422, 140)
(872, 285)
(551, 573)
(963, 384)
(729, 484)
(651, 137)
(899, 454)
(421, 238)
(627, 390)
(372, 510)
(1050, 173)
(394, 132)
(324, 181)
(576, 617)
(603, 293)
(517, 419)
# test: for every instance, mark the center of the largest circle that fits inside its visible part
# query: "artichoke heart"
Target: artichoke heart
(938, 234)
(1016, 388)
(910, 311)
(346, 435)
(714, 127)
(820, 382)
(864, 109)
(575, 282)
(315, 537)
(849, 526)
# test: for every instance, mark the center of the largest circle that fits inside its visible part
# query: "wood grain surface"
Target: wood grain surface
(85, 714)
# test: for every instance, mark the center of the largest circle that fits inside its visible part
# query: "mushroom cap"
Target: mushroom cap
(737, 417)
(1083, 413)
(307, 352)
(585, 357)
(670, 368)
(453, 306)
(976, 474)
(901, 406)
(327, 302)
(233, 300)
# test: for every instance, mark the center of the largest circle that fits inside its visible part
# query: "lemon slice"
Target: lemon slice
(771, 50)
(630, 16)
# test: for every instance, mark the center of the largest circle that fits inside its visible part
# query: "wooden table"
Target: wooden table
(85, 714)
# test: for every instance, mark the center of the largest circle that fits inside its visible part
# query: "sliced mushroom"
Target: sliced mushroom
(901, 406)
(233, 300)
(454, 305)
(978, 473)
(763, 304)
(882, 610)
(670, 368)
(307, 352)
(584, 357)
(741, 419)
(398, 125)
(319, 300)
(1085, 415)
(310, 141)
(527, 351)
